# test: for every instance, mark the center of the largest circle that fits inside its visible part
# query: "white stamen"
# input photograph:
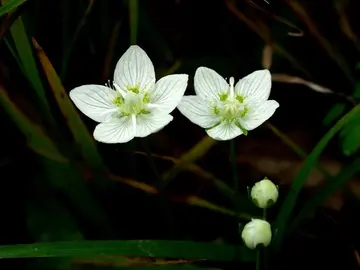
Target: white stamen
(232, 92)
(117, 88)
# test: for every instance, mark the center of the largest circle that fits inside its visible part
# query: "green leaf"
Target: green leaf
(351, 142)
(300, 178)
(147, 248)
(334, 113)
(332, 185)
(68, 47)
(357, 90)
(37, 140)
(77, 127)
(28, 64)
(10, 5)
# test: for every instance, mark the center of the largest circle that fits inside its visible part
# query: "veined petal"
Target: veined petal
(259, 114)
(134, 70)
(224, 131)
(255, 86)
(95, 101)
(198, 111)
(209, 84)
(147, 124)
(168, 92)
(117, 130)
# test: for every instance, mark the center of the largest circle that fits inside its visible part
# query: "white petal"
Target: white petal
(168, 92)
(259, 114)
(225, 131)
(134, 69)
(256, 86)
(209, 84)
(95, 101)
(147, 124)
(198, 111)
(117, 130)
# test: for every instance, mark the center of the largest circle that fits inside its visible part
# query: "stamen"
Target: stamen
(117, 88)
(232, 92)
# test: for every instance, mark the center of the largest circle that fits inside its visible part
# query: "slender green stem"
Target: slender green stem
(151, 160)
(133, 12)
(233, 164)
(258, 259)
(158, 184)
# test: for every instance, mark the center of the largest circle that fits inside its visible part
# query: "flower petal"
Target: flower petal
(225, 131)
(118, 130)
(168, 92)
(147, 124)
(255, 86)
(95, 101)
(198, 111)
(209, 84)
(258, 115)
(134, 70)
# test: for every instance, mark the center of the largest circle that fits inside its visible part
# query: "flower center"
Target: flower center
(230, 106)
(132, 103)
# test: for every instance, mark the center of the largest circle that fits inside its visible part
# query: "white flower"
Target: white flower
(135, 106)
(256, 232)
(264, 193)
(226, 111)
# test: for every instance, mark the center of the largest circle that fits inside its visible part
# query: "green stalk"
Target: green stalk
(233, 164)
(160, 186)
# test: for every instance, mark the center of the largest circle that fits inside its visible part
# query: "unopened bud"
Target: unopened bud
(264, 193)
(256, 232)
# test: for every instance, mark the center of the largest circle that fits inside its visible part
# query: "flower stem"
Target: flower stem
(233, 164)
(162, 197)
(151, 160)
(258, 259)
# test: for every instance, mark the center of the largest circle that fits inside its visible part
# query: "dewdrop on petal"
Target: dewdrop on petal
(264, 193)
(256, 232)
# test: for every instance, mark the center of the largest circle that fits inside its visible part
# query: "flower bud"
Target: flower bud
(264, 193)
(256, 232)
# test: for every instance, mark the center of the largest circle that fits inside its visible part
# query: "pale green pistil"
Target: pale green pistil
(132, 104)
(231, 109)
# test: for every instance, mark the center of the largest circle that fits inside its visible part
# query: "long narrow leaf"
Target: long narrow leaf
(36, 138)
(28, 63)
(148, 248)
(10, 5)
(336, 183)
(298, 182)
(77, 127)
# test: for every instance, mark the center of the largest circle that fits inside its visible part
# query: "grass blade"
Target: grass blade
(147, 248)
(196, 152)
(68, 48)
(298, 182)
(25, 55)
(37, 140)
(10, 5)
(77, 127)
(333, 185)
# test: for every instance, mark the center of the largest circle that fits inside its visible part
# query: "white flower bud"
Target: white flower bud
(256, 232)
(264, 193)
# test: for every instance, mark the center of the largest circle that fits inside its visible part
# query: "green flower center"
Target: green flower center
(230, 108)
(132, 103)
